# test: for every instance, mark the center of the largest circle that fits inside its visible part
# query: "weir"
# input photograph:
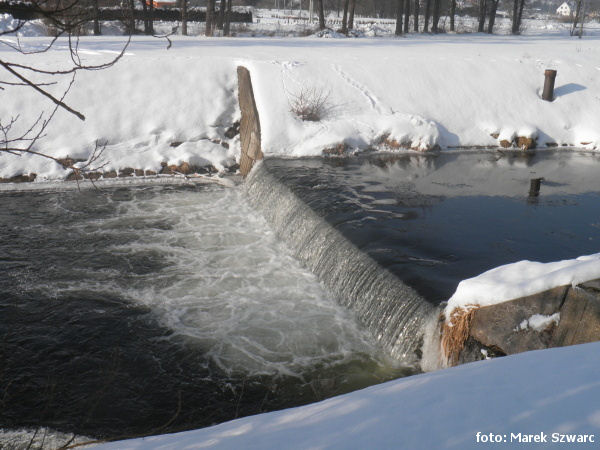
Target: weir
(391, 310)
(394, 312)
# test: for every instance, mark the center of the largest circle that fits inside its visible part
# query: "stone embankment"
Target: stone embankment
(565, 315)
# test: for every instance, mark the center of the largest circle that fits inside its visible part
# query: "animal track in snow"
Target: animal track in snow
(371, 98)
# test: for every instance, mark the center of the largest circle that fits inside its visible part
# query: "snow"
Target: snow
(539, 322)
(420, 91)
(520, 279)
(548, 391)
(30, 28)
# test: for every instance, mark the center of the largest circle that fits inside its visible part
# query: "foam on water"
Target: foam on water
(226, 283)
(133, 308)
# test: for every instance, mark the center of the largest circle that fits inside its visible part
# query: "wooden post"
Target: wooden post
(534, 187)
(548, 93)
(249, 123)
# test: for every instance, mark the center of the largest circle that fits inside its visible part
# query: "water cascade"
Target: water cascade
(394, 312)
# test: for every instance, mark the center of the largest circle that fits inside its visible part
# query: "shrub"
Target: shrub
(310, 104)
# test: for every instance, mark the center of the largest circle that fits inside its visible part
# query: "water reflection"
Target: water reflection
(434, 220)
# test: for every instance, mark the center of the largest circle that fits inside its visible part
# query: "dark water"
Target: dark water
(156, 309)
(434, 220)
(150, 310)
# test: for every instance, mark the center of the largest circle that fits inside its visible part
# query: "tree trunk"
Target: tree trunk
(493, 9)
(515, 18)
(427, 9)
(521, 6)
(131, 21)
(436, 16)
(145, 14)
(452, 14)
(221, 17)
(576, 18)
(151, 18)
(227, 25)
(406, 15)
(96, 18)
(482, 14)
(416, 17)
(210, 17)
(399, 16)
(351, 15)
(321, 14)
(345, 17)
(184, 17)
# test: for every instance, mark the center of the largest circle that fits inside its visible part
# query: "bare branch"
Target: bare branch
(166, 36)
(43, 92)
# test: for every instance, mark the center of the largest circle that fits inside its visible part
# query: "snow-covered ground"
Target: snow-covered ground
(550, 394)
(419, 91)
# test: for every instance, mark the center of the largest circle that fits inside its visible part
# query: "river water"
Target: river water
(436, 219)
(153, 309)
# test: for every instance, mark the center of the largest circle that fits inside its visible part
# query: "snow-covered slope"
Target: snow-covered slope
(452, 90)
(553, 394)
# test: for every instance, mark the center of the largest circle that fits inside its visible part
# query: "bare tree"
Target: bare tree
(482, 15)
(518, 6)
(221, 17)
(210, 17)
(576, 17)
(399, 16)
(452, 14)
(184, 5)
(19, 134)
(351, 15)
(96, 9)
(345, 18)
(406, 15)
(227, 24)
(520, 17)
(492, 19)
(427, 16)
(436, 16)
(146, 17)
(321, 14)
(131, 17)
(416, 17)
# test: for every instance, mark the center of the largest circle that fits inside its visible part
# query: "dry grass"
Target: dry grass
(455, 333)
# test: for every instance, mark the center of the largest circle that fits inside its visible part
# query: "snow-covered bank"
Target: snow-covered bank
(539, 393)
(520, 279)
(419, 91)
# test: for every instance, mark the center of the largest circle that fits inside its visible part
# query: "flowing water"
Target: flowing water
(153, 309)
(434, 220)
(145, 310)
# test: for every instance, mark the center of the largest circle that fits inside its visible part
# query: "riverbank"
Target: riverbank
(552, 393)
(159, 107)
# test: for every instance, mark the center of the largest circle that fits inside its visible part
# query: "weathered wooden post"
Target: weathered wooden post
(249, 123)
(550, 76)
(534, 187)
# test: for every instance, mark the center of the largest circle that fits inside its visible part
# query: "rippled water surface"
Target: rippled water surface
(154, 309)
(434, 220)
